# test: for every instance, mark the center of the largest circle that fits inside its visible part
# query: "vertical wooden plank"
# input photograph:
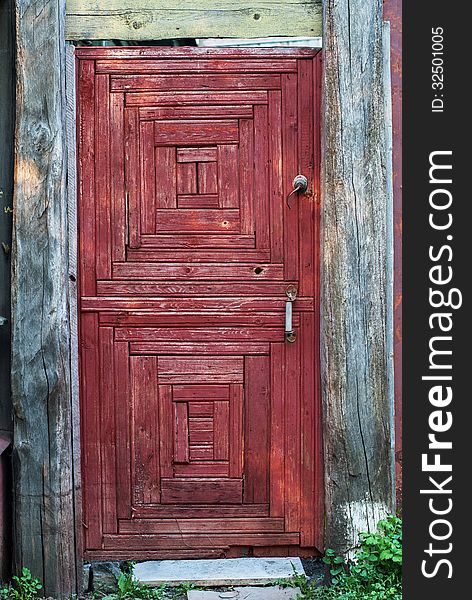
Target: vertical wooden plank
(292, 437)
(236, 430)
(277, 199)
(144, 427)
(390, 255)
(221, 430)
(277, 429)
(306, 202)
(148, 187)
(123, 424)
(166, 430)
(355, 373)
(317, 68)
(102, 177)
(261, 179)
(86, 191)
(318, 507)
(7, 128)
(308, 458)
(392, 15)
(117, 177)
(107, 438)
(246, 174)
(290, 145)
(72, 232)
(166, 177)
(208, 178)
(228, 176)
(187, 178)
(40, 359)
(90, 418)
(256, 428)
(181, 441)
(132, 172)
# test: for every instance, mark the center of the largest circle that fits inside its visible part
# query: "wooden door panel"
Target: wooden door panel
(234, 525)
(207, 65)
(200, 422)
(212, 65)
(175, 542)
(180, 132)
(191, 82)
(201, 98)
(220, 511)
(118, 304)
(186, 291)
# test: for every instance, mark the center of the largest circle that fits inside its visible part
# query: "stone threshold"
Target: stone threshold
(246, 593)
(217, 572)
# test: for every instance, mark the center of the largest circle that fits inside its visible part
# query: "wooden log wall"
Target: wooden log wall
(162, 19)
(43, 480)
(356, 402)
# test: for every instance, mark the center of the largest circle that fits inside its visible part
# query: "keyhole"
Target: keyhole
(258, 270)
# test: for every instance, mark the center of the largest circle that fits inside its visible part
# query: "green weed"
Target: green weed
(129, 588)
(374, 574)
(24, 587)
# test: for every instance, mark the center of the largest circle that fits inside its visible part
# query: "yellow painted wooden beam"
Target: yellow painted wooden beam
(165, 19)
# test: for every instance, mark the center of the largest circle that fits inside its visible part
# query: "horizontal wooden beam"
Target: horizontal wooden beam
(164, 19)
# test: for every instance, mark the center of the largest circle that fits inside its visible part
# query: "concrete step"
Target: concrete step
(246, 593)
(218, 572)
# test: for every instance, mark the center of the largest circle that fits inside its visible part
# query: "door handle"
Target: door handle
(300, 186)
(291, 293)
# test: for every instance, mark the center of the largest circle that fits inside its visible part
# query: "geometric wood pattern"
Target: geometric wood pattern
(200, 424)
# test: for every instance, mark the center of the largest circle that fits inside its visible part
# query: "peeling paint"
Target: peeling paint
(362, 515)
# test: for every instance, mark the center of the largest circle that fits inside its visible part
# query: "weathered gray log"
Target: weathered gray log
(162, 19)
(44, 507)
(357, 415)
(7, 119)
(390, 240)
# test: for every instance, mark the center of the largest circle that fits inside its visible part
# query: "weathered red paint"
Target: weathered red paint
(200, 424)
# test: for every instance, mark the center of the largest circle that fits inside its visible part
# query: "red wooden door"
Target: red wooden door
(200, 422)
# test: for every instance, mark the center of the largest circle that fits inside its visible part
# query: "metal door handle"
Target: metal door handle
(300, 186)
(291, 293)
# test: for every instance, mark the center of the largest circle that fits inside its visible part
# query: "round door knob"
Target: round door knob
(300, 186)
